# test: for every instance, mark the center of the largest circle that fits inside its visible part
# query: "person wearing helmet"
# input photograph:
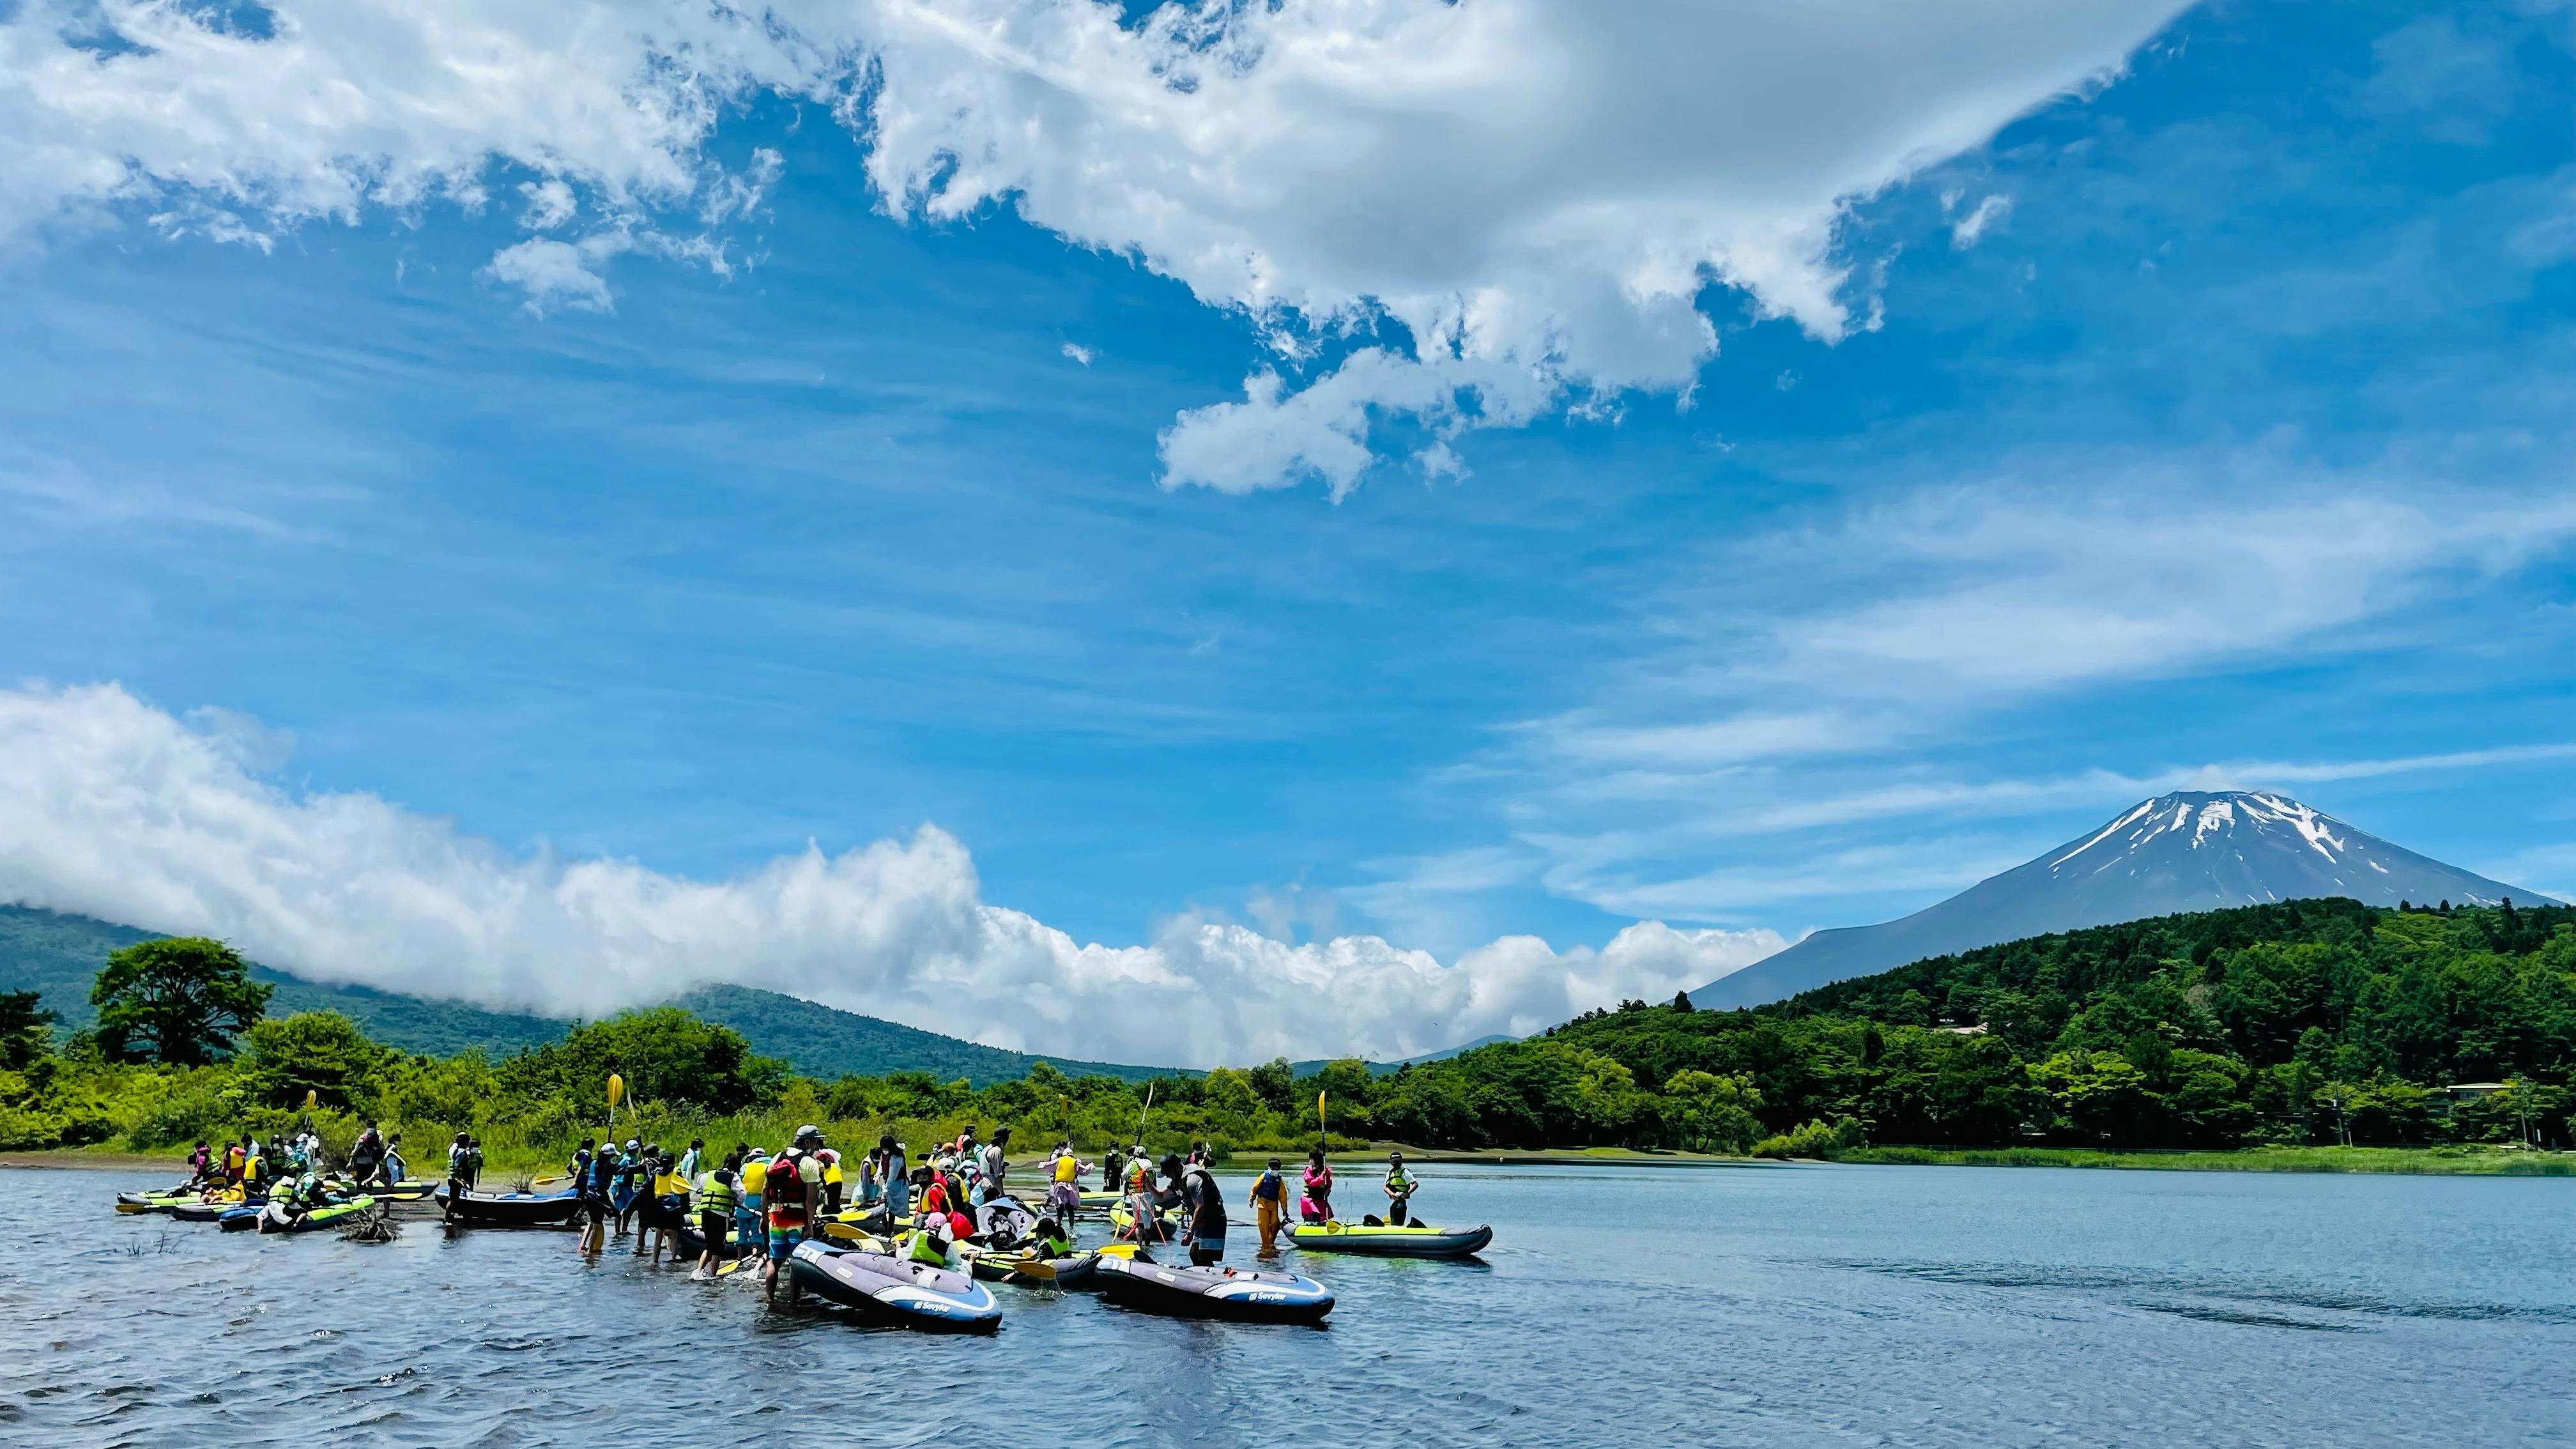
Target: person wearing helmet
(1399, 1188)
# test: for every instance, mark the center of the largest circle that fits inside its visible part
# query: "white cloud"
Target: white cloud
(115, 809)
(1793, 683)
(1079, 353)
(550, 204)
(1968, 230)
(557, 276)
(1536, 192)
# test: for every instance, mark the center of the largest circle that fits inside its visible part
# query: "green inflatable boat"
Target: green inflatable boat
(1413, 1240)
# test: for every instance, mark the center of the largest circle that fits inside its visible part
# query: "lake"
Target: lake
(1629, 1307)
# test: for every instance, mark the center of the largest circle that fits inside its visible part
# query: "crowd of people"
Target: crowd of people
(754, 1203)
(291, 1175)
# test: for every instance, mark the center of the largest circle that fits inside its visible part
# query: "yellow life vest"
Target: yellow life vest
(832, 1170)
(1068, 1168)
(755, 1177)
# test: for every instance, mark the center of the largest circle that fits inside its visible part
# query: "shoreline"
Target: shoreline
(2406, 1161)
(2398, 1161)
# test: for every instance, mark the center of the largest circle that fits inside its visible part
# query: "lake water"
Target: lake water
(1635, 1307)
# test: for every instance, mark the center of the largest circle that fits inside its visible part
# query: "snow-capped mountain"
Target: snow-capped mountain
(2187, 851)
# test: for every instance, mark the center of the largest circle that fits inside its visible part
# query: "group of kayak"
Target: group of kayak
(283, 1186)
(910, 1245)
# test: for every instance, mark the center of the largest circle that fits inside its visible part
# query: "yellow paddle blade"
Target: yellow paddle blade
(309, 1099)
(1118, 1250)
(616, 1090)
(1036, 1269)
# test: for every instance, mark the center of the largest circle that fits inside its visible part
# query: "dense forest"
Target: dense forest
(2307, 1022)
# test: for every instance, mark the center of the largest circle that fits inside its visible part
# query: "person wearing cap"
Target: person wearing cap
(794, 1185)
(1399, 1188)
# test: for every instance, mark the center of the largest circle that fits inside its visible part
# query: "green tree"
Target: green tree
(666, 1055)
(181, 1000)
(1705, 1112)
(320, 1052)
(26, 1029)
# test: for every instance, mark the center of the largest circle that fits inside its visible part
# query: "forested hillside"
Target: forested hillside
(2309, 1022)
(57, 956)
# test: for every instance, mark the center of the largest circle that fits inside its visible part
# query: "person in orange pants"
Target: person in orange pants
(1269, 1207)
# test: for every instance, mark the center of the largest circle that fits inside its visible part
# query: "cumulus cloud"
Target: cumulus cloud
(556, 276)
(1079, 353)
(113, 808)
(1535, 194)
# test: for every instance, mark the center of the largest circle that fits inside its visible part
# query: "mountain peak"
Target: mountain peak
(2213, 818)
(2191, 850)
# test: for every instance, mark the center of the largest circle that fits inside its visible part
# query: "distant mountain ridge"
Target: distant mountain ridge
(60, 955)
(2186, 851)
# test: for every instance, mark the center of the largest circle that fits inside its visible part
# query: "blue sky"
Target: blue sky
(2209, 421)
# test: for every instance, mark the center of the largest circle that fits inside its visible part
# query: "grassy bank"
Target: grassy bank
(2451, 1161)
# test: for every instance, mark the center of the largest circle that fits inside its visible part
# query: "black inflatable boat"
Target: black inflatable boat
(1217, 1292)
(894, 1291)
(509, 1209)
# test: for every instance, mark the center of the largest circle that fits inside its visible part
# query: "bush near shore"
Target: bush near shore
(2312, 1024)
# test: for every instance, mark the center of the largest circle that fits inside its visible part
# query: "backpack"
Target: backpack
(786, 1189)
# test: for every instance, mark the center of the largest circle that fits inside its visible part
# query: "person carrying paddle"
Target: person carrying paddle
(1064, 1197)
(1269, 1202)
(594, 1177)
(1317, 1205)
(1399, 1189)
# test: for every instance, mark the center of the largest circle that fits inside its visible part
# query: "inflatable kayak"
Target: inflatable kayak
(1123, 1218)
(153, 1202)
(1077, 1271)
(241, 1219)
(331, 1216)
(1410, 1241)
(207, 1212)
(1218, 1292)
(410, 1189)
(884, 1289)
(509, 1209)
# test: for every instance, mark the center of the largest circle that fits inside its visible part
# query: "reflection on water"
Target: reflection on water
(1627, 1307)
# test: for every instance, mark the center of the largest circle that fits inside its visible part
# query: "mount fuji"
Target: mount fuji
(2188, 851)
